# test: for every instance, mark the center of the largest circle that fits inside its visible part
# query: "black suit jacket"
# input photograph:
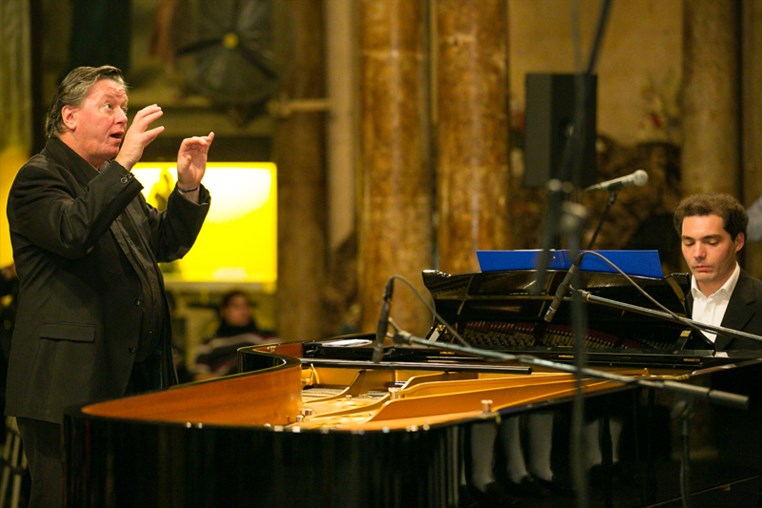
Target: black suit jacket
(79, 309)
(744, 313)
(738, 433)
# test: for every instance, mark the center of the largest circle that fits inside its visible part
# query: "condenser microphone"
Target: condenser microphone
(637, 178)
(561, 291)
(383, 322)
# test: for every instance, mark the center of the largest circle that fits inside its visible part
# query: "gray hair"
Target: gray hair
(72, 91)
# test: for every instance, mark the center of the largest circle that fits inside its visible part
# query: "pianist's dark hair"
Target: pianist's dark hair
(726, 206)
(72, 91)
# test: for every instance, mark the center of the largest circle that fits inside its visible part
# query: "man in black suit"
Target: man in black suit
(712, 229)
(92, 319)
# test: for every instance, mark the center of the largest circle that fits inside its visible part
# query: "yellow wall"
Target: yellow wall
(11, 159)
(238, 242)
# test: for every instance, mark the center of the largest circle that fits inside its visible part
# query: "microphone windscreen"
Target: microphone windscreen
(640, 178)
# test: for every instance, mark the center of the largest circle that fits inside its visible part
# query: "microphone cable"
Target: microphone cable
(437, 317)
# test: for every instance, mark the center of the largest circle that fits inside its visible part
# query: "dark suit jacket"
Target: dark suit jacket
(744, 313)
(738, 433)
(79, 306)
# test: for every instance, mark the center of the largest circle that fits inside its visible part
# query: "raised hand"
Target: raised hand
(139, 136)
(191, 161)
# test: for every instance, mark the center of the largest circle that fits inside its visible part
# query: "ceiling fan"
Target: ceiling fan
(223, 50)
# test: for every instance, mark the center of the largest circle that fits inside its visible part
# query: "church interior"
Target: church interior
(364, 141)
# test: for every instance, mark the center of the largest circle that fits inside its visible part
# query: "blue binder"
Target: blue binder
(645, 263)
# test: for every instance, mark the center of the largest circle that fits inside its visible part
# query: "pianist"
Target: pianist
(712, 229)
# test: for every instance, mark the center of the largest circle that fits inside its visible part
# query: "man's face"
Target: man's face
(97, 126)
(709, 250)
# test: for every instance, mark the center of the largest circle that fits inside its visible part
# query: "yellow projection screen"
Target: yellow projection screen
(238, 242)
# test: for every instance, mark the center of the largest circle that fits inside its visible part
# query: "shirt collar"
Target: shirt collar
(726, 288)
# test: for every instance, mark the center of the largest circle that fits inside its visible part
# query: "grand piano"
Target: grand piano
(317, 423)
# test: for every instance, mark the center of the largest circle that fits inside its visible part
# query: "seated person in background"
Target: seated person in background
(217, 355)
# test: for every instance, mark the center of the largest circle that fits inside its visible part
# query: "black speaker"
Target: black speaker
(550, 113)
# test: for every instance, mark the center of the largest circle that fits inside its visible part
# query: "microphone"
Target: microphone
(638, 178)
(561, 291)
(383, 322)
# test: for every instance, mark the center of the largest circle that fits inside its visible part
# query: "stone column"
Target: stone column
(472, 130)
(299, 151)
(752, 118)
(341, 38)
(396, 209)
(710, 157)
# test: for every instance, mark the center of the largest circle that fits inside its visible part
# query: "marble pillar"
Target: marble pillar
(711, 148)
(471, 130)
(395, 235)
(299, 151)
(751, 157)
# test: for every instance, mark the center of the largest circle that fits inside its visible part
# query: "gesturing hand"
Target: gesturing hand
(191, 160)
(139, 136)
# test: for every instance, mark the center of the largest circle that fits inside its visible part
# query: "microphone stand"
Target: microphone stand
(563, 287)
(578, 258)
(579, 322)
(605, 423)
(675, 318)
(683, 412)
(609, 203)
(720, 397)
(569, 170)
(569, 173)
(573, 226)
(556, 192)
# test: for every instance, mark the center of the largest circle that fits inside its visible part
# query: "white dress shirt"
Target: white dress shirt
(711, 309)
